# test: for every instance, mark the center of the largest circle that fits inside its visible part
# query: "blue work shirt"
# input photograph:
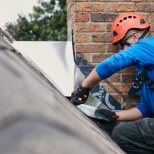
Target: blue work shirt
(139, 54)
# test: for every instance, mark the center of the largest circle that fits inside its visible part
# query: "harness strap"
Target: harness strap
(142, 77)
(124, 42)
(143, 35)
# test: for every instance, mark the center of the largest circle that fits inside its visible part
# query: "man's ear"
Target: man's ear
(136, 37)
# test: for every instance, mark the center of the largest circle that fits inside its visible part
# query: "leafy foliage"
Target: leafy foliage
(47, 22)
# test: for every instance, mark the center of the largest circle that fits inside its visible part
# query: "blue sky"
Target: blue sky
(9, 9)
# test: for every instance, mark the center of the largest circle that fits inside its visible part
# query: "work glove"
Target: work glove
(111, 116)
(80, 95)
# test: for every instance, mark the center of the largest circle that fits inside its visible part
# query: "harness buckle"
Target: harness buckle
(148, 81)
(135, 87)
(137, 83)
(142, 77)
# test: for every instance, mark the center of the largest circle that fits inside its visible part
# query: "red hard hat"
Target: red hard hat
(125, 22)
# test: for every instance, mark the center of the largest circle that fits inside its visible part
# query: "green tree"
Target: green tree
(47, 22)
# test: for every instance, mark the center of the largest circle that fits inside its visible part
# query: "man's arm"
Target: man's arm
(108, 67)
(102, 71)
(91, 79)
(126, 115)
(131, 114)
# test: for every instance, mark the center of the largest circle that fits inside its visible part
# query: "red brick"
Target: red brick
(127, 78)
(108, 27)
(101, 37)
(121, 1)
(130, 69)
(84, 56)
(114, 78)
(152, 33)
(78, 38)
(112, 48)
(89, 7)
(89, 27)
(81, 0)
(70, 4)
(89, 47)
(100, 17)
(81, 17)
(96, 58)
(118, 7)
(145, 7)
(123, 88)
(104, 0)
(151, 16)
(72, 10)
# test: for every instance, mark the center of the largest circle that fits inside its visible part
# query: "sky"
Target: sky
(9, 10)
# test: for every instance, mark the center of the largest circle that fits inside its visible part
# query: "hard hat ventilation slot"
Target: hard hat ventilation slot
(115, 33)
(142, 21)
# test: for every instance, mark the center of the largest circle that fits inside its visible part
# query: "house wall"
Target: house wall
(90, 22)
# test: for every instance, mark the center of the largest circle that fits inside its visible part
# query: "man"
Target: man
(130, 31)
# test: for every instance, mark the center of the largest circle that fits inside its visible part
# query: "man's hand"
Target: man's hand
(80, 95)
(111, 116)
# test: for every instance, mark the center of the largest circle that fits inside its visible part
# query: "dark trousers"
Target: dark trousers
(135, 137)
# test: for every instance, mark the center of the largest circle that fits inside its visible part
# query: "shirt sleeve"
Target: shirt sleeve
(114, 63)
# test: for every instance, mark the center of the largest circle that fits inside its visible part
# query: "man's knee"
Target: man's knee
(118, 133)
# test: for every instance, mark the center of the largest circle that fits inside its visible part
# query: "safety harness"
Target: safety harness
(141, 78)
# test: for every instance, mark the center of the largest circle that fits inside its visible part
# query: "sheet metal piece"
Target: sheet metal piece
(93, 101)
(90, 112)
(55, 60)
